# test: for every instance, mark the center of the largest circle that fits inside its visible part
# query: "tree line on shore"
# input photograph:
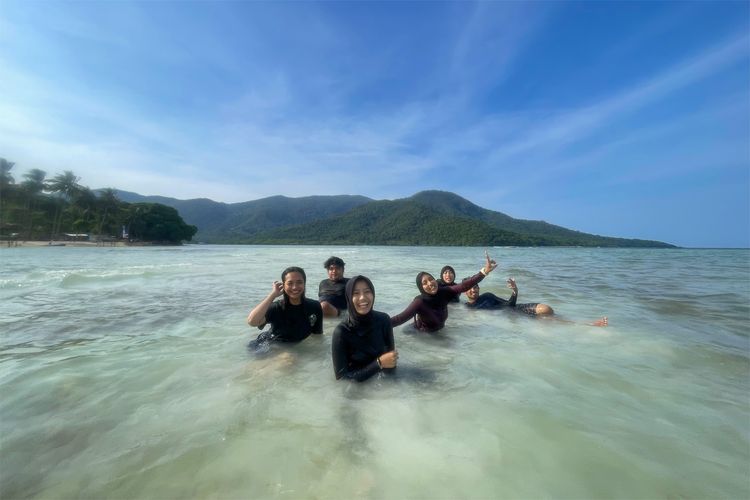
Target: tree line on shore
(42, 208)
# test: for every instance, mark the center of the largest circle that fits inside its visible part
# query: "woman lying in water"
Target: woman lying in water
(430, 308)
(363, 343)
(492, 301)
(293, 318)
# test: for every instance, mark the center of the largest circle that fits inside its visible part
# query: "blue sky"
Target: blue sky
(617, 118)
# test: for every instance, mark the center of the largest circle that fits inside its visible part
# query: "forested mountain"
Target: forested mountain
(239, 222)
(426, 218)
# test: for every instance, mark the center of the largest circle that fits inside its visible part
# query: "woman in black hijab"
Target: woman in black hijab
(448, 278)
(363, 343)
(430, 308)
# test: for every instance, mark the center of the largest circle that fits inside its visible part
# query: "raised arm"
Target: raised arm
(489, 266)
(466, 284)
(257, 316)
(404, 316)
(514, 297)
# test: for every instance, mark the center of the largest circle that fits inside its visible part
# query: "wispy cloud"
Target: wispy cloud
(237, 101)
(575, 125)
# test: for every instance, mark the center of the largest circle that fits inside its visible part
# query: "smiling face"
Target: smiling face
(472, 293)
(448, 277)
(429, 285)
(362, 297)
(294, 286)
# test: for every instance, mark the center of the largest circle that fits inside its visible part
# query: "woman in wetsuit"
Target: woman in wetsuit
(447, 278)
(294, 317)
(363, 343)
(430, 308)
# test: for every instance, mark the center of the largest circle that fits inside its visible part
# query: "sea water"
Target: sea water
(124, 373)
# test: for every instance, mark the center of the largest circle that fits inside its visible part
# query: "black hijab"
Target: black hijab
(356, 319)
(442, 296)
(442, 271)
(426, 297)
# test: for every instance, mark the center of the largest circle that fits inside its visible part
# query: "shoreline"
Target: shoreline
(78, 244)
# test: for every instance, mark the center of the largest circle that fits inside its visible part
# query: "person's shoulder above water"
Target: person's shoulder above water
(331, 290)
(311, 304)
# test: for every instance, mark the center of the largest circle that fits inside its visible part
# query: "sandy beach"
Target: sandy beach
(60, 243)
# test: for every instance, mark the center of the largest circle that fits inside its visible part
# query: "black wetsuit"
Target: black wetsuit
(290, 323)
(333, 292)
(492, 301)
(360, 339)
(356, 347)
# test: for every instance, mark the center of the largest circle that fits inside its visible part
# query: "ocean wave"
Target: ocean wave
(75, 279)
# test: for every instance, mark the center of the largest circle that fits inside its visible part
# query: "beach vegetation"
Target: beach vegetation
(56, 208)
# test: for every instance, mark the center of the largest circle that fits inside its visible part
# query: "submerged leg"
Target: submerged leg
(329, 311)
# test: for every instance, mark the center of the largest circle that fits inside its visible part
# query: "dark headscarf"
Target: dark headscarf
(442, 271)
(356, 319)
(293, 269)
(425, 296)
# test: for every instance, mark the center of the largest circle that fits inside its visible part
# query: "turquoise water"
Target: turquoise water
(124, 374)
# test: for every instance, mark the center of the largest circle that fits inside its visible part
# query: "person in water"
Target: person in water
(492, 301)
(363, 343)
(430, 308)
(447, 278)
(294, 317)
(475, 300)
(331, 290)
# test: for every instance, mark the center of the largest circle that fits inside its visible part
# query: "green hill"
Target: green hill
(426, 218)
(435, 218)
(237, 222)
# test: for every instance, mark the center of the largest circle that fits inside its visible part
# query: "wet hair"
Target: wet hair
(293, 269)
(333, 261)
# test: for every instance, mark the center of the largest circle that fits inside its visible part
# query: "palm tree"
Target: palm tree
(32, 186)
(66, 186)
(6, 180)
(109, 202)
(85, 204)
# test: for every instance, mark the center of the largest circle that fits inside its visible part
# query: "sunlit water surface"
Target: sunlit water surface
(124, 374)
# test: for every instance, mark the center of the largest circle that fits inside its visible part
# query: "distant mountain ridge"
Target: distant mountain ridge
(426, 218)
(238, 222)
